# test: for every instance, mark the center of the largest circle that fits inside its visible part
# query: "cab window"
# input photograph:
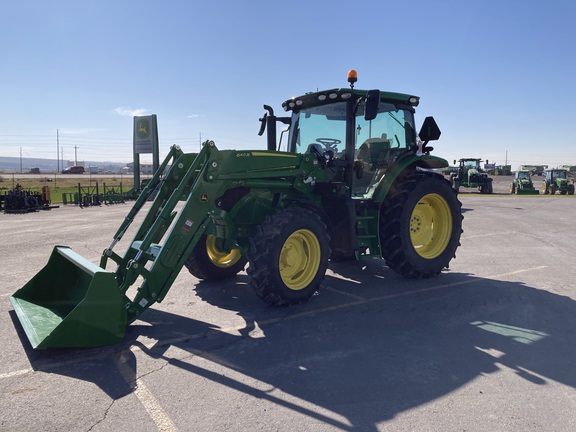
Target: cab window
(392, 127)
(324, 126)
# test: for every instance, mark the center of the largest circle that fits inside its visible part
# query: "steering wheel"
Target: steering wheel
(329, 143)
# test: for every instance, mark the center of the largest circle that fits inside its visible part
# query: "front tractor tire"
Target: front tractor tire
(456, 184)
(288, 256)
(420, 225)
(210, 261)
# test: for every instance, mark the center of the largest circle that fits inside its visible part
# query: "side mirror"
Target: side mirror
(371, 105)
(430, 130)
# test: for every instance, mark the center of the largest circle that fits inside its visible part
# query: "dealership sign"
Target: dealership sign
(145, 134)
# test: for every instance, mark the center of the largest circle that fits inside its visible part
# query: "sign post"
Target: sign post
(145, 141)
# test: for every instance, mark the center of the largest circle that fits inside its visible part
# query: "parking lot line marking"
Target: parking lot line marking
(453, 284)
(15, 373)
(517, 272)
(499, 234)
(346, 293)
(146, 397)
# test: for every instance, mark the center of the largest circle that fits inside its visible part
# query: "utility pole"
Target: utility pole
(75, 155)
(57, 152)
(20, 160)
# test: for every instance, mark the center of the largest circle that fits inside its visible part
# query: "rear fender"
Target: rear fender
(409, 162)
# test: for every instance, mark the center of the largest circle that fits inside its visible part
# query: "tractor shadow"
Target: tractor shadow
(368, 347)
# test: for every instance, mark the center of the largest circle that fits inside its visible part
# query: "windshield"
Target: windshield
(559, 174)
(326, 125)
(313, 124)
(471, 164)
(524, 175)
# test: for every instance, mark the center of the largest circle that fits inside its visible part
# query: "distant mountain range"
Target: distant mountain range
(12, 164)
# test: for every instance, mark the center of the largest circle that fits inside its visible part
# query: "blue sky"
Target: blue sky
(498, 76)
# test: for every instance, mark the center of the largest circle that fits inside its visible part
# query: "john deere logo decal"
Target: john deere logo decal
(143, 128)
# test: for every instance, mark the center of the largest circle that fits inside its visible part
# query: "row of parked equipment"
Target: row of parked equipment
(470, 174)
(20, 200)
(555, 180)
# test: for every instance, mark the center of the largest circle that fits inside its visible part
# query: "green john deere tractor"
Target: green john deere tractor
(353, 181)
(522, 184)
(557, 181)
(471, 175)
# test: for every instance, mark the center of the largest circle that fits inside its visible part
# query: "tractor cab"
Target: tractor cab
(554, 174)
(358, 135)
(522, 175)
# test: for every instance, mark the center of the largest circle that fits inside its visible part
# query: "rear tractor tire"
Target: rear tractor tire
(420, 226)
(288, 256)
(210, 261)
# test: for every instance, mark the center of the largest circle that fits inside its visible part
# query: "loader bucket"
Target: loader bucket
(71, 302)
(528, 192)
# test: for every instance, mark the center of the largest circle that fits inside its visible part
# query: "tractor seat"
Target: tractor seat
(374, 150)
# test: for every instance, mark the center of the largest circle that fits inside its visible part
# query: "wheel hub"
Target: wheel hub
(430, 226)
(218, 255)
(299, 259)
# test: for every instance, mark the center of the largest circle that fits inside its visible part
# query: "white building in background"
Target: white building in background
(71, 163)
(145, 168)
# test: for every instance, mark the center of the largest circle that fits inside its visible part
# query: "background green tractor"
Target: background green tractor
(522, 184)
(471, 175)
(353, 181)
(557, 181)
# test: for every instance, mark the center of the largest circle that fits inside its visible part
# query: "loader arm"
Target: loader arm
(145, 194)
(167, 236)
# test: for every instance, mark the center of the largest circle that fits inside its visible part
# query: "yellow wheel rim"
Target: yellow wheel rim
(219, 256)
(430, 226)
(299, 259)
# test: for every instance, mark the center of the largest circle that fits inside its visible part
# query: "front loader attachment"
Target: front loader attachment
(527, 191)
(71, 302)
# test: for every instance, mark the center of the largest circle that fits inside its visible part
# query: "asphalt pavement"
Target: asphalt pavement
(489, 345)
